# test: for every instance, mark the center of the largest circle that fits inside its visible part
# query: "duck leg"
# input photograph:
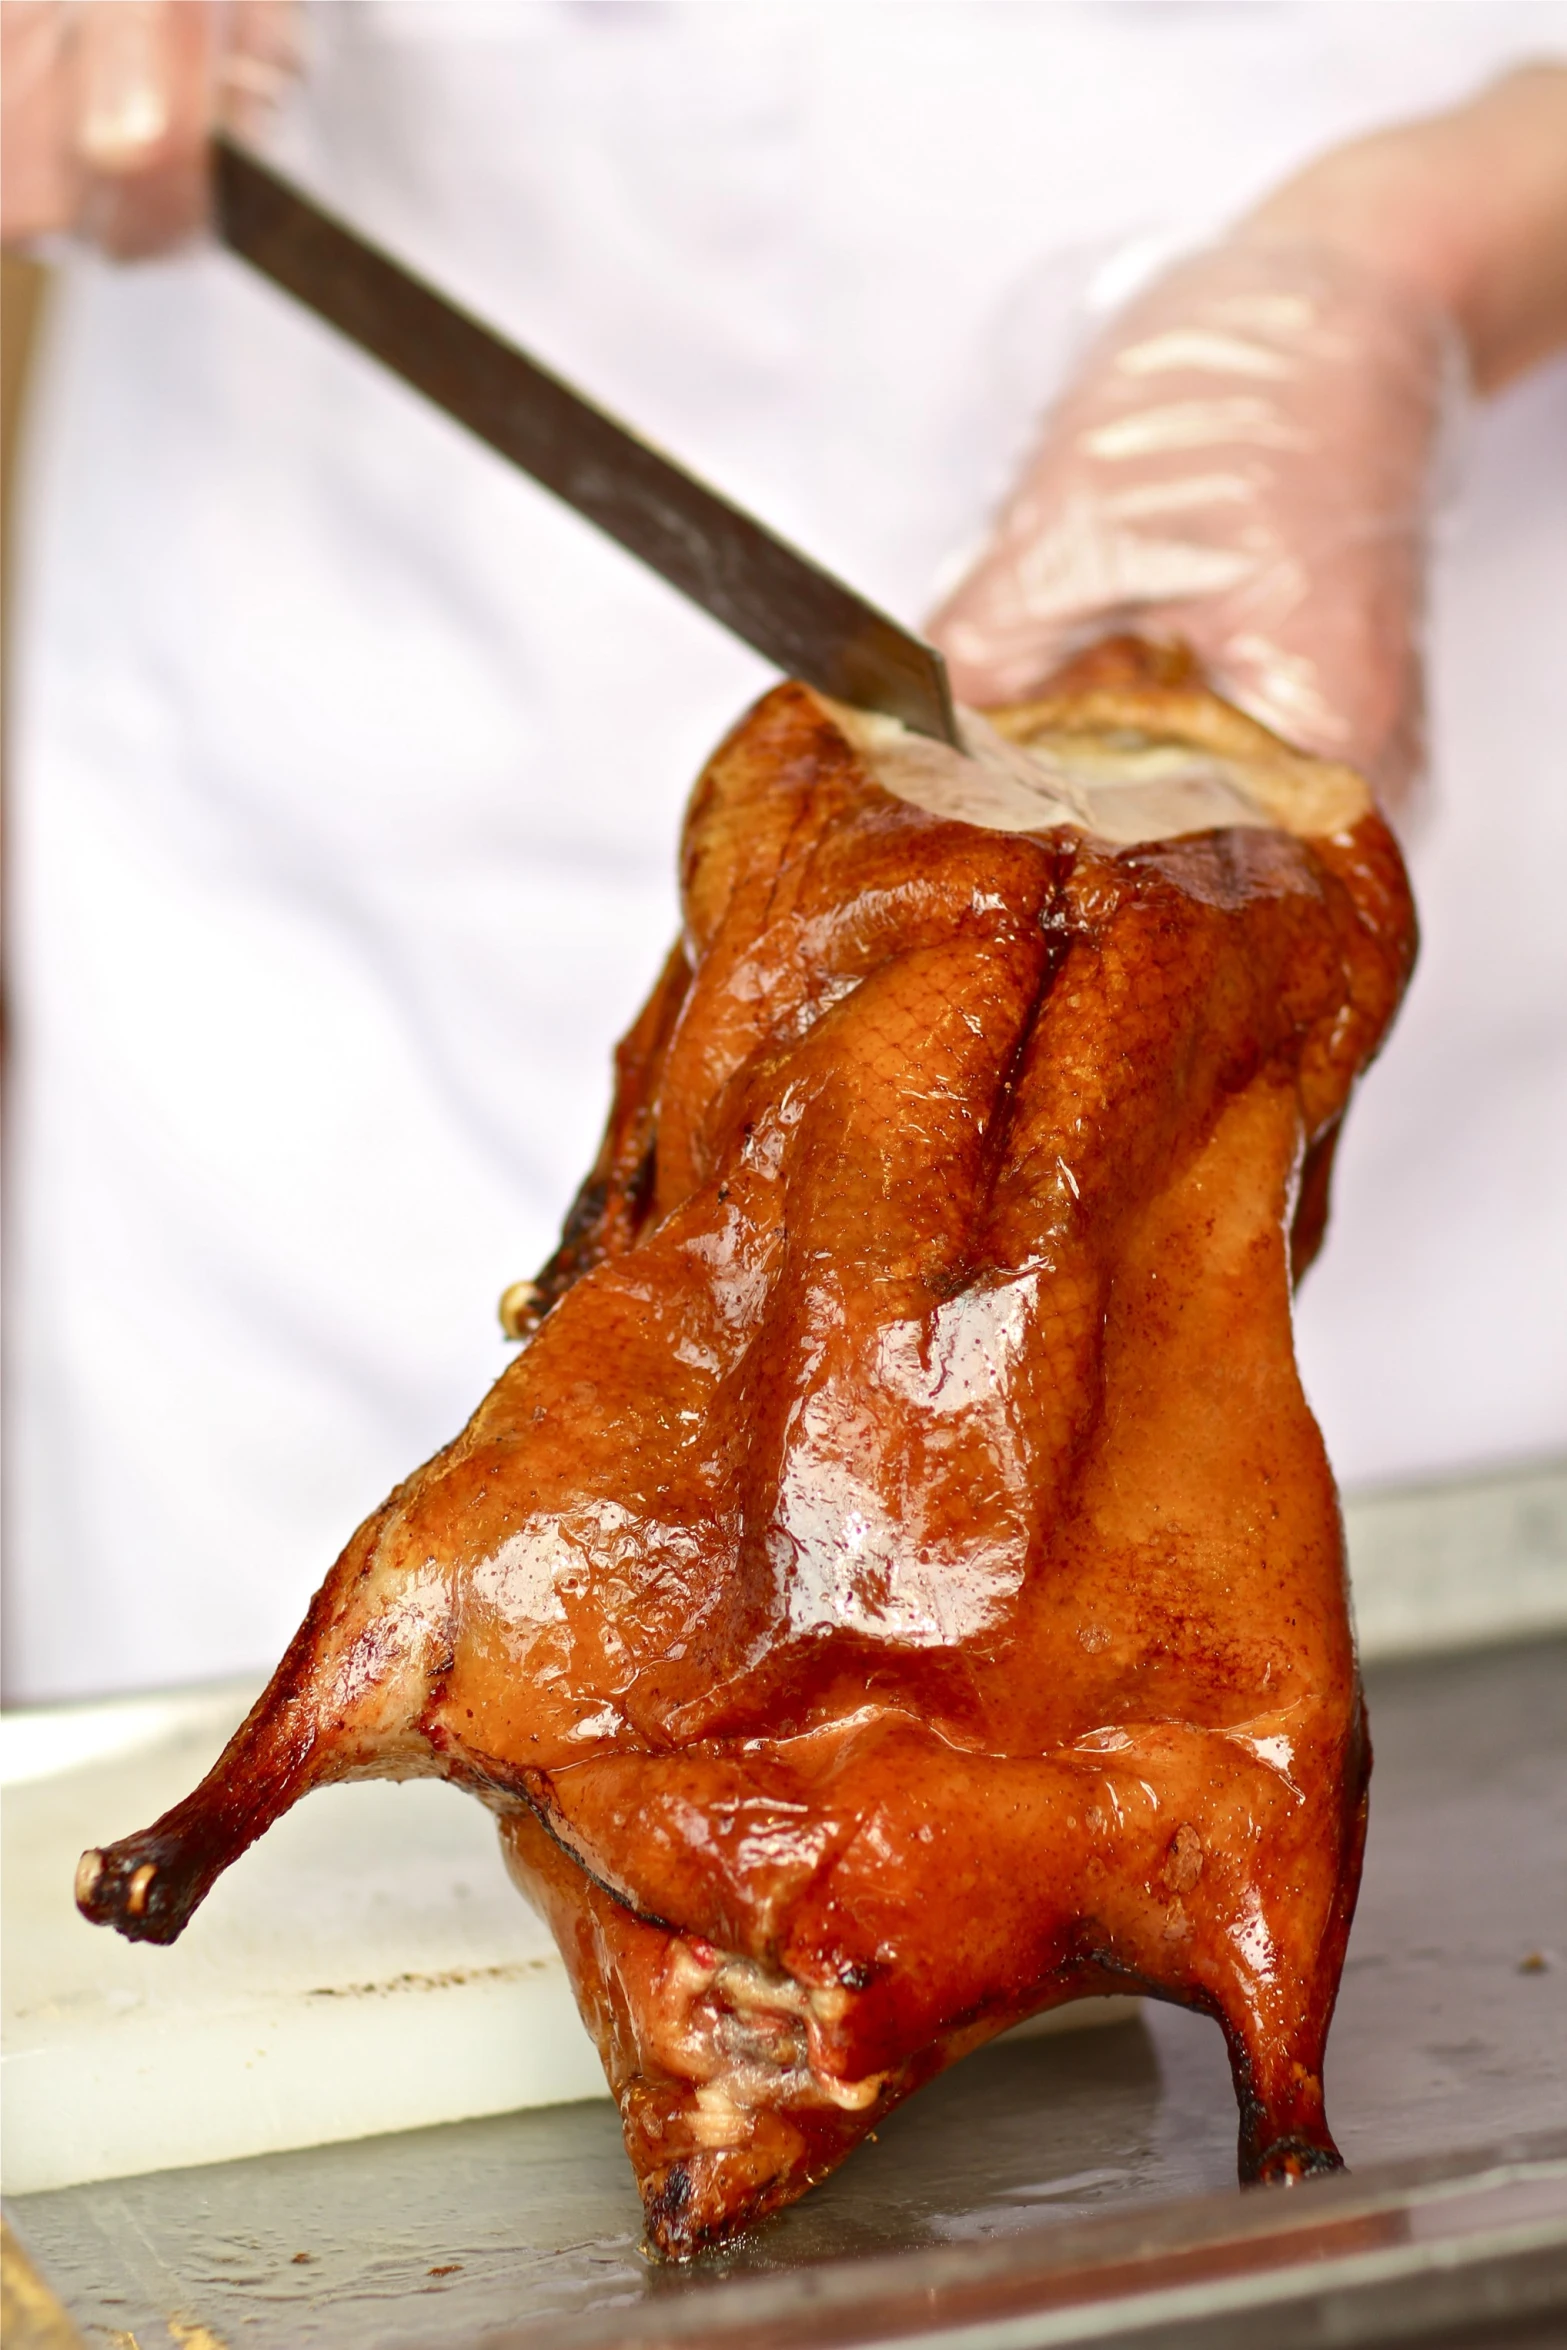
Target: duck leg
(346, 1702)
(1276, 2059)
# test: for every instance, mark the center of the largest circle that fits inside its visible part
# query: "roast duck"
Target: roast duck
(898, 1586)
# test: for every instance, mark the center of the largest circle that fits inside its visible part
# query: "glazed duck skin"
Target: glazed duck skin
(899, 1586)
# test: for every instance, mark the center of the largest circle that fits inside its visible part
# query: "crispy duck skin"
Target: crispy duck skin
(899, 1585)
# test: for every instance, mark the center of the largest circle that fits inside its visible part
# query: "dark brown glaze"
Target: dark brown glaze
(899, 1585)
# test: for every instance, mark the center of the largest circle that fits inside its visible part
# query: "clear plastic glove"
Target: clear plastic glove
(1247, 457)
(108, 106)
(1244, 463)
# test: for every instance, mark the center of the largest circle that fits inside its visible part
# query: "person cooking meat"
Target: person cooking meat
(345, 767)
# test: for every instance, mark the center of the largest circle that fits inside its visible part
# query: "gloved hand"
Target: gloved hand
(1247, 456)
(108, 106)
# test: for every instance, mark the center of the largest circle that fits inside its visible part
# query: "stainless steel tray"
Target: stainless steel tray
(1047, 2191)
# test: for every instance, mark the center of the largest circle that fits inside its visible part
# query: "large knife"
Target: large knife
(787, 607)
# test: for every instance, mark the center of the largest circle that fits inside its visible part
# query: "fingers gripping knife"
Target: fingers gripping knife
(775, 599)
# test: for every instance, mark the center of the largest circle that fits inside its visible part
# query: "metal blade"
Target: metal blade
(785, 606)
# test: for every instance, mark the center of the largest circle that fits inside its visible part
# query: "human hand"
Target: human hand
(108, 107)
(1245, 459)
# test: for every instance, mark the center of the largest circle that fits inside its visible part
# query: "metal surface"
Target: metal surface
(31, 2317)
(765, 592)
(1376, 2260)
(1451, 2035)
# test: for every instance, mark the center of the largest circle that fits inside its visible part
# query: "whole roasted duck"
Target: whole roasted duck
(899, 1586)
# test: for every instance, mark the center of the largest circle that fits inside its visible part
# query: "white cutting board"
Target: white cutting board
(367, 1966)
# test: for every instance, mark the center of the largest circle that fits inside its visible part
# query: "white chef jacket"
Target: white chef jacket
(348, 766)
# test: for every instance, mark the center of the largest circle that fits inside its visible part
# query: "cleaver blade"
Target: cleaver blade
(753, 583)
